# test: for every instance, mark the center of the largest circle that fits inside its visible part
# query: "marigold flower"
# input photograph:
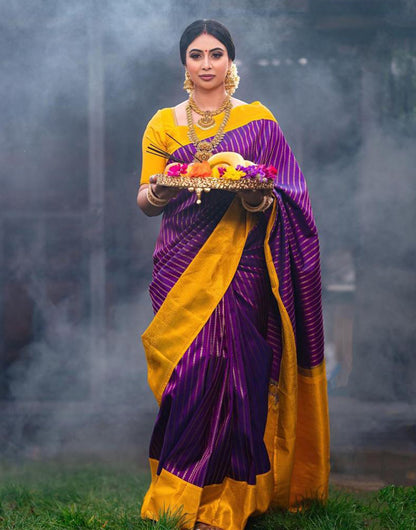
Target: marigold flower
(200, 169)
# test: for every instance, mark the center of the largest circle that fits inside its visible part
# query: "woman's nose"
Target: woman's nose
(207, 62)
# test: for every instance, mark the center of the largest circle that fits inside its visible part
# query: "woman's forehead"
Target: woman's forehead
(205, 42)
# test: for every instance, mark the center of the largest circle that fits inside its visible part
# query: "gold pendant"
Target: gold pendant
(207, 121)
(202, 156)
(204, 150)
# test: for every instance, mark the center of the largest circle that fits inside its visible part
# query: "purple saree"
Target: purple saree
(233, 434)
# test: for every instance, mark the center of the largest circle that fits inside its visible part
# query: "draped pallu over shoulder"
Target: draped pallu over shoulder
(297, 430)
(194, 296)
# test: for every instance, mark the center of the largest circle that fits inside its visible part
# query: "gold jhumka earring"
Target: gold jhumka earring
(188, 84)
(232, 80)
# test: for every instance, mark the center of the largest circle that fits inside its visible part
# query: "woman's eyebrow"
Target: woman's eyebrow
(213, 49)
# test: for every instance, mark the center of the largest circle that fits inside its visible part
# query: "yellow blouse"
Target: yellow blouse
(164, 121)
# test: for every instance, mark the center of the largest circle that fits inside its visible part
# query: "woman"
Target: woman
(235, 351)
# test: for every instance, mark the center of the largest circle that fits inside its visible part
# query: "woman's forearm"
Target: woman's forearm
(149, 209)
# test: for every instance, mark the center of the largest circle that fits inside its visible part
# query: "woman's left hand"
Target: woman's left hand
(252, 198)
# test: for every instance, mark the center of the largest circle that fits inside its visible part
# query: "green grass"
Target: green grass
(45, 496)
(390, 508)
(64, 496)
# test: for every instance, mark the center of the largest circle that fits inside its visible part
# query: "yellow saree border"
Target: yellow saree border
(312, 372)
(227, 505)
(194, 297)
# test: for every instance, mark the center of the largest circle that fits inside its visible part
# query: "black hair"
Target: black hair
(212, 27)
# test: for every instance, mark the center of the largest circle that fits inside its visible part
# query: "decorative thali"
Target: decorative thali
(225, 170)
(206, 184)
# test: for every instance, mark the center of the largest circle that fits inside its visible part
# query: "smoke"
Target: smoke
(67, 398)
(62, 394)
(386, 291)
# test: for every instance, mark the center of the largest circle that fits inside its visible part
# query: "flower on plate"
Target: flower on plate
(232, 173)
(258, 171)
(200, 169)
(177, 170)
(271, 172)
(218, 171)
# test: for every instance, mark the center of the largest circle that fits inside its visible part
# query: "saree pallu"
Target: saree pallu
(235, 351)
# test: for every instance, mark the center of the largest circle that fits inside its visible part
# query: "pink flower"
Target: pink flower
(177, 170)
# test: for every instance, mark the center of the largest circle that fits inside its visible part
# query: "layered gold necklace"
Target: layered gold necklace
(207, 121)
(204, 148)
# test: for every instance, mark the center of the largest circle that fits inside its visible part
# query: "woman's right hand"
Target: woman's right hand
(162, 192)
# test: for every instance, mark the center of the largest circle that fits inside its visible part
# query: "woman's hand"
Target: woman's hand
(252, 198)
(256, 201)
(164, 193)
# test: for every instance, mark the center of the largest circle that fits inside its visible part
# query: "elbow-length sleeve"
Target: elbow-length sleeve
(154, 134)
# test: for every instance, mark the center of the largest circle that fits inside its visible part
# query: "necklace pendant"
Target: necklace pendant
(204, 145)
(202, 156)
(207, 121)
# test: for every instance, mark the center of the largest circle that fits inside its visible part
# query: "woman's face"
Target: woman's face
(207, 62)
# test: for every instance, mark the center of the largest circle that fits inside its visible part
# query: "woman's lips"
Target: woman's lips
(207, 77)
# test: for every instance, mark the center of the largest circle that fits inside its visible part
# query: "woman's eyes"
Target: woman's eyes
(215, 55)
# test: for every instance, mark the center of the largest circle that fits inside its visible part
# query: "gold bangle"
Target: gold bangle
(154, 200)
(265, 203)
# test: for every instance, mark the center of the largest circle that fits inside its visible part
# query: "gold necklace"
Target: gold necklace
(207, 121)
(204, 148)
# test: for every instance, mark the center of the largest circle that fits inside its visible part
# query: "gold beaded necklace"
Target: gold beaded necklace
(207, 121)
(204, 148)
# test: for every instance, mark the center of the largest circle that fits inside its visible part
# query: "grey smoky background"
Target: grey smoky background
(79, 81)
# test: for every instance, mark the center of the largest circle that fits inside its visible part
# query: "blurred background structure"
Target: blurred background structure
(79, 82)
